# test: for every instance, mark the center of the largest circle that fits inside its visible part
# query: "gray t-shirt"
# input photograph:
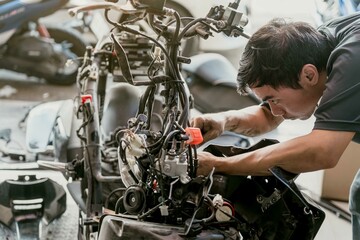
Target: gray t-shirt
(339, 108)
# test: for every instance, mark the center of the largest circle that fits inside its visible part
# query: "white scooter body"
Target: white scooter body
(52, 126)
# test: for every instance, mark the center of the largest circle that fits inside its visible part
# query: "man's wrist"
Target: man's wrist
(220, 164)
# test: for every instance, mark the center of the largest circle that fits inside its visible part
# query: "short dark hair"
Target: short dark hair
(276, 53)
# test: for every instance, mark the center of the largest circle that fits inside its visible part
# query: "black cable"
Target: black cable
(189, 25)
(110, 195)
(117, 205)
(133, 31)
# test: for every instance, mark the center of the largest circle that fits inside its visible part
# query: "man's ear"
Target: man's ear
(309, 76)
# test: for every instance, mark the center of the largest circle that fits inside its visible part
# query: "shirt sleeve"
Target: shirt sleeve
(339, 108)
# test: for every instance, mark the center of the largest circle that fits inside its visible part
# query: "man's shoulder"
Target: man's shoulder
(341, 27)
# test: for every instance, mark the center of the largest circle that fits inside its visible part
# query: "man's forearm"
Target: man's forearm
(315, 151)
(258, 162)
(251, 121)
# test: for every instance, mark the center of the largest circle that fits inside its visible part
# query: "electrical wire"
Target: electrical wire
(107, 200)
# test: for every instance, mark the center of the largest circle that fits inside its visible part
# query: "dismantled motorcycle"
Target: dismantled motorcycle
(132, 156)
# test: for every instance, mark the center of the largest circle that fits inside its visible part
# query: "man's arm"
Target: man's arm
(317, 150)
(250, 121)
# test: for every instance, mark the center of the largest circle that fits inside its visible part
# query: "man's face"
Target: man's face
(287, 102)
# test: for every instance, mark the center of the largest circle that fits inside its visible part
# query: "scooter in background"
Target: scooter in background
(30, 47)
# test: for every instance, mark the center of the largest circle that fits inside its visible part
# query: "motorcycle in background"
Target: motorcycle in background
(35, 49)
(133, 155)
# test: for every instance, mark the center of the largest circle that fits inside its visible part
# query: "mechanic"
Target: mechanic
(297, 71)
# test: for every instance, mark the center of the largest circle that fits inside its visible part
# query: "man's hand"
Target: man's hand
(206, 163)
(211, 125)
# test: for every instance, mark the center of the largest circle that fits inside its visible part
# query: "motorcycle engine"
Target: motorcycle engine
(159, 186)
(31, 48)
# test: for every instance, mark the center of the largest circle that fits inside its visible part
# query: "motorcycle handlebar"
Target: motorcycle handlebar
(231, 21)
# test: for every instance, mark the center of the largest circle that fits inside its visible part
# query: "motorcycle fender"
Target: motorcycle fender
(41, 122)
(31, 193)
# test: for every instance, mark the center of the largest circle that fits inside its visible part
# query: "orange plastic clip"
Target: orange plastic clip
(195, 136)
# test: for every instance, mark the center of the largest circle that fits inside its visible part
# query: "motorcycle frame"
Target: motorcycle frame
(92, 95)
(95, 86)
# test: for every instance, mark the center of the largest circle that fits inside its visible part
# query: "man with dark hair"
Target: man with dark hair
(297, 71)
